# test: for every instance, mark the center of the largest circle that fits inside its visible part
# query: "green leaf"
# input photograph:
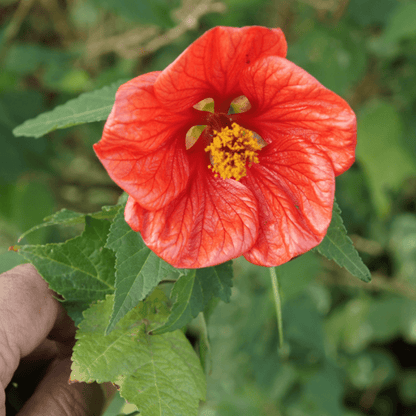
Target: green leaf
(367, 12)
(32, 200)
(323, 392)
(88, 107)
(67, 217)
(385, 160)
(10, 259)
(193, 291)
(161, 374)
(303, 330)
(81, 269)
(347, 326)
(408, 320)
(130, 414)
(403, 246)
(297, 274)
(385, 318)
(364, 369)
(17, 156)
(344, 56)
(138, 269)
(27, 58)
(402, 23)
(338, 246)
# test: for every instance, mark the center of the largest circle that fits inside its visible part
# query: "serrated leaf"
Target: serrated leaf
(67, 217)
(193, 291)
(138, 269)
(161, 374)
(88, 107)
(130, 414)
(338, 246)
(81, 269)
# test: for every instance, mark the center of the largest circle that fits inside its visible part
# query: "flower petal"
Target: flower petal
(215, 220)
(139, 121)
(133, 214)
(294, 184)
(212, 65)
(287, 101)
(153, 179)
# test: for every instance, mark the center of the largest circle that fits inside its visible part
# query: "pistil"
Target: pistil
(232, 149)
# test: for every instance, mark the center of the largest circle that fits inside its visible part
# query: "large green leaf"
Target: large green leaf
(343, 54)
(194, 290)
(81, 269)
(88, 107)
(160, 374)
(138, 269)
(67, 217)
(338, 246)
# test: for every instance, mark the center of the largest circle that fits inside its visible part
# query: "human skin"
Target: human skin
(36, 338)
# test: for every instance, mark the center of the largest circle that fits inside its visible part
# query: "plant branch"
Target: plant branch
(13, 28)
(379, 282)
(59, 20)
(188, 16)
(142, 41)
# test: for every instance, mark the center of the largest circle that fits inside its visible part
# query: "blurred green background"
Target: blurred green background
(350, 346)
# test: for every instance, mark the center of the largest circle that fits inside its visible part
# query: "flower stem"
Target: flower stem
(278, 303)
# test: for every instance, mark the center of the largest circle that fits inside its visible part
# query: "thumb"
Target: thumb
(54, 396)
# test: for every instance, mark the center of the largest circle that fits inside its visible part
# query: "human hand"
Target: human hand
(36, 340)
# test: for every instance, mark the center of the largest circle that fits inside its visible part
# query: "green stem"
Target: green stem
(278, 303)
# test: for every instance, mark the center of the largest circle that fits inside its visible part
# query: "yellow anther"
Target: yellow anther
(231, 150)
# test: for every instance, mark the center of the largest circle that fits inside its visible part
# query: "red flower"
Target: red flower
(260, 179)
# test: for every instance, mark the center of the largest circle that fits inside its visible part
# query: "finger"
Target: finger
(39, 358)
(63, 333)
(54, 396)
(28, 312)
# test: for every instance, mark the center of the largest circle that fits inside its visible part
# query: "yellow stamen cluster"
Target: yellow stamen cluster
(231, 149)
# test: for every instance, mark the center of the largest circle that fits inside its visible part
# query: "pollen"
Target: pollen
(232, 149)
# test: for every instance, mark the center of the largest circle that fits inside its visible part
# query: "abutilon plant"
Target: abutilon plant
(231, 150)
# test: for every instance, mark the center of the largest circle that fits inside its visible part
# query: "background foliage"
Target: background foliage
(350, 346)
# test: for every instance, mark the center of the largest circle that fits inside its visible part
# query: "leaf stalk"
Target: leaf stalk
(275, 284)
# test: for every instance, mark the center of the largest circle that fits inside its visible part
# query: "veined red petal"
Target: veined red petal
(138, 121)
(153, 179)
(213, 221)
(212, 65)
(294, 184)
(287, 101)
(133, 214)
